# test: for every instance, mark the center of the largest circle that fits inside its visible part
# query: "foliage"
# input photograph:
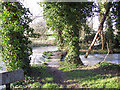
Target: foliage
(48, 57)
(54, 21)
(50, 85)
(39, 28)
(68, 18)
(113, 25)
(47, 61)
(35, 85)
(15, 32)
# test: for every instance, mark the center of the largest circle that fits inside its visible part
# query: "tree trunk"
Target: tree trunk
(72, 56)
(102, 39)
(99, 29)
(93, 42)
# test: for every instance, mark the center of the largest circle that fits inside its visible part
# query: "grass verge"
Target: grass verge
(103, 75)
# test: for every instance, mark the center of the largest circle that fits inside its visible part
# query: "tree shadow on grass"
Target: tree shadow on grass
(41, 73)
(38, 74)
(96, 77)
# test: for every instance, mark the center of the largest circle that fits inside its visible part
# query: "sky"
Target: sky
(34, 8)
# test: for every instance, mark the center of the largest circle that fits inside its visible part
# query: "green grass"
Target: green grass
(106, 65)
(47, 61)
(39, 77)
(67, 67)
(35, 85)
(47, 54)
(100, 81)
(103, 75)
(50, 85)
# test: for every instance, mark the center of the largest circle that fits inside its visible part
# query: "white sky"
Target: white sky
(35, 9)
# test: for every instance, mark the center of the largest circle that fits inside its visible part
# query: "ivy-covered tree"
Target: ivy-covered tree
(54, 21)
(15, 32)
(68, 17)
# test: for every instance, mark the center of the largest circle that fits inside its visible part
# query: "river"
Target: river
(96, 58)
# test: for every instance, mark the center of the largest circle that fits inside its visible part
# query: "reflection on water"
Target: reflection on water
(96, 58)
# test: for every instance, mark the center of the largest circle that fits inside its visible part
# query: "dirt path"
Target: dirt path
(58, 74)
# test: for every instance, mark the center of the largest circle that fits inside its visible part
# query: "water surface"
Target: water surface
(96, 58)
